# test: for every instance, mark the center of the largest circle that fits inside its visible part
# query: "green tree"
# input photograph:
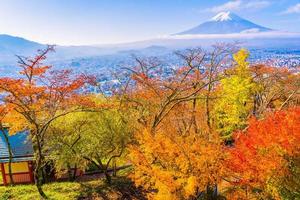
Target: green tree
(85, 138)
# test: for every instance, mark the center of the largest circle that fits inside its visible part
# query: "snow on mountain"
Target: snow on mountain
(222, 16)
(225, 23)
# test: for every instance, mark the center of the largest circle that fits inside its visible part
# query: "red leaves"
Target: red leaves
(63, 81)
(260, 153)
(40, 95)
(34, 66)
(37, 71)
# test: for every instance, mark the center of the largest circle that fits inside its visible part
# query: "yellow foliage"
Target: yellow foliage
(177, 166)
(16, 122)
(234, 105)
(191, 186)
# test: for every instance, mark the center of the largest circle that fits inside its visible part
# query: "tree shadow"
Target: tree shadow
(120, 188)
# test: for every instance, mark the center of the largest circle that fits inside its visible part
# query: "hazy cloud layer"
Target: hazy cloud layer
(243, 35)
(238, 5)
(292, 9)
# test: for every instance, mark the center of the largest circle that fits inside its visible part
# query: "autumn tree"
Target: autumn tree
(210, 65)
(262, 156)
(36, 98)
(62, 139)
(175, 166)
(234, 104)
(276, 88)
(175, 155)
(96, 138)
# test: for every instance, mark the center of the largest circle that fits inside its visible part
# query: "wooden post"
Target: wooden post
(3, 174)
(30, 171)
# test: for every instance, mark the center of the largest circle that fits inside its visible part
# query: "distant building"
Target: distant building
(22, 160)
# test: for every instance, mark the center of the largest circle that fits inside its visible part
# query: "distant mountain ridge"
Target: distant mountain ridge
(225, 23)
(11, 46)
(17, 43)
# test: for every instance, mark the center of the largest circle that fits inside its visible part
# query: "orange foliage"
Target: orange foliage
(38, 96)
(173, 159)
(275, 88)
(259, 155)
(179, 166)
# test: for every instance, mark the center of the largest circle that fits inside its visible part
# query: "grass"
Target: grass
(63, 190)
(121, 188)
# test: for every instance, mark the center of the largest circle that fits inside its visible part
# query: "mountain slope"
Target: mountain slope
(16, 44)
(225, 23)
(11, 46)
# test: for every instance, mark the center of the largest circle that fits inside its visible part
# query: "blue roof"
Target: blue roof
(21, 147)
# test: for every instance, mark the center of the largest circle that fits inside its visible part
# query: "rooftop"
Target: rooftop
(21, 147)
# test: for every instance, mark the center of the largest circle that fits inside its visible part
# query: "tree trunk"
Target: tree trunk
(107, 176)
(38, 171)
(194, 122)
(114, 168)
(102, 168)
(70, 175)
(212, 192)
(39, 181)
(11, 182)
(208, 111)
(207, 101)
(74, 173)
(39, 187)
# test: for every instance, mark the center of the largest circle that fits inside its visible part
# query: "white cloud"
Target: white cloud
(238, 5)
(231, 5)
(242, 35)
(292, 9)
(257, 4)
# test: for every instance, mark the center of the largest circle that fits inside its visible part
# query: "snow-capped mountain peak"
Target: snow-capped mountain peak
(225, 23)
(222, 16)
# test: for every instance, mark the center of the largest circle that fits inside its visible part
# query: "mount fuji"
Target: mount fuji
(225, 23)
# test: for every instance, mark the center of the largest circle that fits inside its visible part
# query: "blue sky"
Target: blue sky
(77, 22)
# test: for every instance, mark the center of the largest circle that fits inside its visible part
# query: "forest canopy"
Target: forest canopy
(217, 127)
